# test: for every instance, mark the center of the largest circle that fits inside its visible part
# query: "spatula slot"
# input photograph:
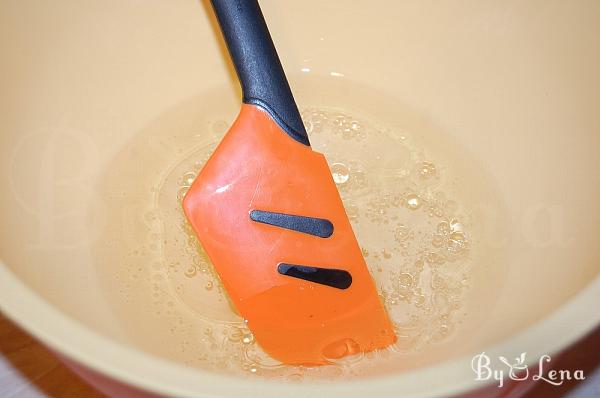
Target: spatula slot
(337, 278)
(309, 225)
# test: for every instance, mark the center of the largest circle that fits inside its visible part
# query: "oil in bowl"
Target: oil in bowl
(413, 202)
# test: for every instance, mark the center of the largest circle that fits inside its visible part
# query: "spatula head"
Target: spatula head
(268, 214)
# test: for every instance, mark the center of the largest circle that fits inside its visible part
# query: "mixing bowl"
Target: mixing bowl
(101, 99)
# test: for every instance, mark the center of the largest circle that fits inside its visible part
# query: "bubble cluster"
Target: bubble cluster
(409, 229)
(337, 123)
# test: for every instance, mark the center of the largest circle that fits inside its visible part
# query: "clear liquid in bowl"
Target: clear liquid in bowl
(414, 214)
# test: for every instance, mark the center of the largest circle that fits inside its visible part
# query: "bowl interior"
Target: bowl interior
(100, 99)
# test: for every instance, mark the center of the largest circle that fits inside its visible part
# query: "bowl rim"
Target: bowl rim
(153, 374)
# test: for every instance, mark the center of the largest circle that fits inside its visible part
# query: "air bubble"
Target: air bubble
(401, 233)
(340, 173)
(435, 258)
(191, 272)
(444, 228)
(188, 178)
(419, 300)
(427, 170)
(181, 192)
(456, 226)
(405, 280)
(247, 338)
(236, 335)
(413, 202)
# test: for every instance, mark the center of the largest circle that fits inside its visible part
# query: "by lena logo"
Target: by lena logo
(518, 370)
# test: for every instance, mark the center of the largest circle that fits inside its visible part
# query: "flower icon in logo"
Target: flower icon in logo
(517, 370)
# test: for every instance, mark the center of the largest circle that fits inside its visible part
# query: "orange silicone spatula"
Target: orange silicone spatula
(268, 214)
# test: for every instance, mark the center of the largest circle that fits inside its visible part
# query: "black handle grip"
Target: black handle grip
(257, 64)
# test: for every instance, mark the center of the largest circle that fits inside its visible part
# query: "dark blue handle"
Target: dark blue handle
(257, 65)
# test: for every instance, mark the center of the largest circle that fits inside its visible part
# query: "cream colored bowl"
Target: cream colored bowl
(513, 84)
